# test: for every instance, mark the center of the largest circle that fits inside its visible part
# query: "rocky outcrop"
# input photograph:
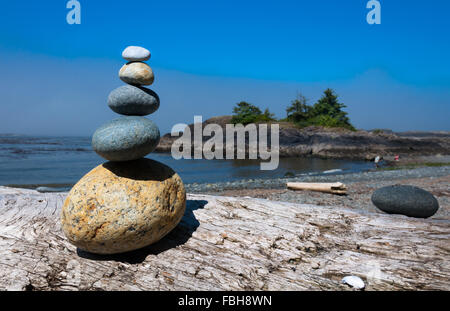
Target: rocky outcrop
(342, 143)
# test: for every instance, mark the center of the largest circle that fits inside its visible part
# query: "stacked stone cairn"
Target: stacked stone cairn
(131, 201)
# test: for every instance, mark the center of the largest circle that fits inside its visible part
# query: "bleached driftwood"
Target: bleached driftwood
(334, 188)
(228, 244)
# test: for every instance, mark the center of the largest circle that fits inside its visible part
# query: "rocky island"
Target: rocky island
(343, 143)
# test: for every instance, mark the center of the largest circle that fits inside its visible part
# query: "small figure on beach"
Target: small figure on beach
(129, 202)
(377, 161)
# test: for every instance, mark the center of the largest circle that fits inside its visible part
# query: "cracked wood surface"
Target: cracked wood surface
(227, 243)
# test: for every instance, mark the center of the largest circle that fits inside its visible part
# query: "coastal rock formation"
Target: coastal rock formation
(405, 200)
(132, 202)
(121, 207)
(340, 143)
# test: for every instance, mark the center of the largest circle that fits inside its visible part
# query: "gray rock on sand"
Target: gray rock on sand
(405, 200)
(136, 54)
(126, 138)
(137, 73)
(133, 100)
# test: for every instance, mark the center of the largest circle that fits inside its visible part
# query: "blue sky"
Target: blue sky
(208, 55)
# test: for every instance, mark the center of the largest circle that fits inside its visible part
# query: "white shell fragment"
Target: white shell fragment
(354, 281)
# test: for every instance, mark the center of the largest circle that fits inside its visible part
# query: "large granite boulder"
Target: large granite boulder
(123, 206)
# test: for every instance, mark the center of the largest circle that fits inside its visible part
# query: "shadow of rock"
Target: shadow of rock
(142, 169)
(176, 237)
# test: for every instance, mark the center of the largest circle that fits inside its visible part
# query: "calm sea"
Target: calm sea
(59, 162)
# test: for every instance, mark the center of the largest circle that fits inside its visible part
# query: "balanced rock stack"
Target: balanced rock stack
(129, 202)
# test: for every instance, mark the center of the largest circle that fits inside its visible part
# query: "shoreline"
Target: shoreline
(387, 164)
(361, 185)
(391, 170)
(347, 177)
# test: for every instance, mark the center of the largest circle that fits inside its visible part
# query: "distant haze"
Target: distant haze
(209, 55)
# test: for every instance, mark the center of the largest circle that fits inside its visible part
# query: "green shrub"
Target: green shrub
(328, 121)
(246, 113)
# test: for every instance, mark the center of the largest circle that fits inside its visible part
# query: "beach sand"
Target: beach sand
(360, 188)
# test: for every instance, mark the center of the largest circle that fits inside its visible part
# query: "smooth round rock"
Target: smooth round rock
(133, 100)
(136, 54)
(126, 139)
(405, 200)
(123, 206)
(136, 73)
(354, 281)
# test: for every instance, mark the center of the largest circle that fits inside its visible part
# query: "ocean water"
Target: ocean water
(59, 162)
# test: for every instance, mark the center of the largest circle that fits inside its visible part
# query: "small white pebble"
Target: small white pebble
(354, 281)
(136, 54)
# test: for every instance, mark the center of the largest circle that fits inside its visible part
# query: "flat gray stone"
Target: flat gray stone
(405, 200)
(126, 138)
(136, 54)
(133, 100)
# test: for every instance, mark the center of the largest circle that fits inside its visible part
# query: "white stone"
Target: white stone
(136, 54)
(354, 281)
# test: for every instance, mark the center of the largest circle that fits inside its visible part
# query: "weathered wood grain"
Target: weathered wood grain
(333, 188)
(228, 244)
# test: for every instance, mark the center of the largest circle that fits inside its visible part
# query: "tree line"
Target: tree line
(327, 111)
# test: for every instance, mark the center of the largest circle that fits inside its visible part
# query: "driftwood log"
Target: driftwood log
(227, 243)
(333, 188)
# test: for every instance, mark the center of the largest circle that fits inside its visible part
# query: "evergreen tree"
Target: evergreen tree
(267, 116)
(328, 110)
(299, 111)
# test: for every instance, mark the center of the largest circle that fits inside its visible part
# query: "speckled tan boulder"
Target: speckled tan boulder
(123, 206)
(137, 73)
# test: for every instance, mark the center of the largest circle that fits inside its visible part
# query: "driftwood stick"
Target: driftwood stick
(227, 243)
(335, 188)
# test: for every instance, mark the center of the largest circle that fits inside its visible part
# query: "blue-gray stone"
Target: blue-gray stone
(133, 100)
(405, 200)
(126, 138)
